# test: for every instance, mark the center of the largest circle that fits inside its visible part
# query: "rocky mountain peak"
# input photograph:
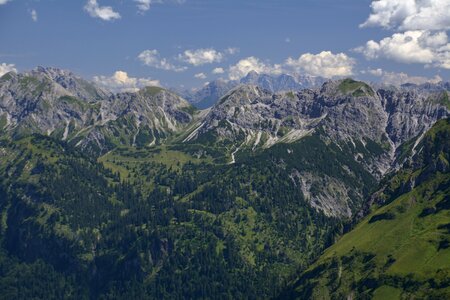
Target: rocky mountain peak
(59, 103)
(73, 84)
(210, 94)
(251, 76)
(52, 72)
(347, 87)
(282, 82)
(243, 94)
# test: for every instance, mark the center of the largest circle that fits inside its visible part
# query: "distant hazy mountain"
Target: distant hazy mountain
(208, 95)
(282, 82)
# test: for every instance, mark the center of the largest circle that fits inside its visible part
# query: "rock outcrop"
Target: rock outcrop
(57, 103)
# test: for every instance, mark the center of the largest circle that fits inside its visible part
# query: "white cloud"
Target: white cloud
(390, 13)
(34, 15)
(375, 72)
(397, 79)
(105, 13)
(152, 58)
(420, 27)
(143, 5)
(411, 47)
(121, 82)
(200, 76)
(244, 66)
(325, 64)
(6, 68)
(201, 56)
(4, 1)
(402, 78)
(218, 71)
(410, 14)
(232, 50)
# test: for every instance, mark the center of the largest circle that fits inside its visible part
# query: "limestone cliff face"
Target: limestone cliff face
(45, 100)
(364, 125)
(58, 103)
(211, 93)
(367, 125)
(347, 111)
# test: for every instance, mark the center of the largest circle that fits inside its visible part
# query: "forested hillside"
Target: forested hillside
(401, 250)
(189, 229)
(140, 195)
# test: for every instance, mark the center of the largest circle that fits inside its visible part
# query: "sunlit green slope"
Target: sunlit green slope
(402, 249)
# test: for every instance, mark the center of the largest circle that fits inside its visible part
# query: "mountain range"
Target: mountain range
(208, 95)
(236, 200)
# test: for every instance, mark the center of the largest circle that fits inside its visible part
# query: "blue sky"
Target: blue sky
(175, 42)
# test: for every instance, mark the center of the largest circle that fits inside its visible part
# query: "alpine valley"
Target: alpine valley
(283, 186)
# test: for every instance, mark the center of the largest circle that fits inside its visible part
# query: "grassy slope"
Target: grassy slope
(412, 240)
(388, 258)
(400, 250)
(356, 88)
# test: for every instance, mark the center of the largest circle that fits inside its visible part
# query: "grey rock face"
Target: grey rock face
(412, 112)
(209, 95)
(357, 112)
(76, 85)
(283, 82)
(34, 102)
(55, 102)
(365, 123)
(368, 125)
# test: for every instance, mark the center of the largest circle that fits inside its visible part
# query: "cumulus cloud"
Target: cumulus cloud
(397, 79)
(198, 57)
(232, 50)
(121, 82)
(152, 58)
(375, 72)
(244, 66)
(105, 13)
(4, 1)
(402, 78)
(218, 71)
(410, 14)
(6, 68)
(34, 15)
(201, 56)
(325, 64)
(421, 32)
(200, 76)
(143, 5)
(411, 47)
